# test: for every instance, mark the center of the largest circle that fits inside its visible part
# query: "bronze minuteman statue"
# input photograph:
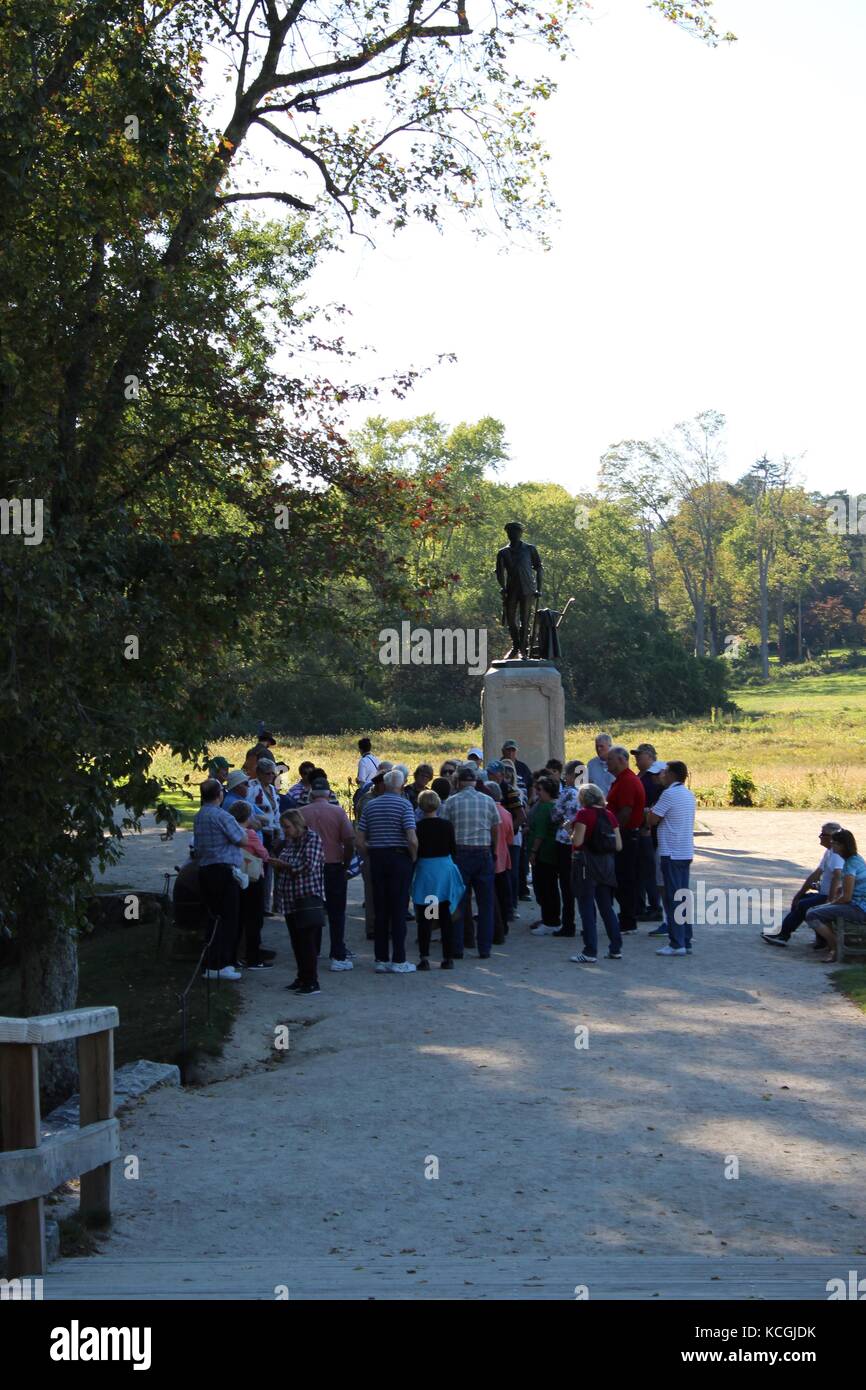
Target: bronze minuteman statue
(519, 574)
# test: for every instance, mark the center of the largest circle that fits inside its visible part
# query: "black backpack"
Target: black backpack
(603, 837)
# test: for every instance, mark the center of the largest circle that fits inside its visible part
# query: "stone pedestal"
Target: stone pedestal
(524, 700)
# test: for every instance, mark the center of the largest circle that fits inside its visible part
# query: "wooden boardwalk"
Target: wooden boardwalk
(665, 1277)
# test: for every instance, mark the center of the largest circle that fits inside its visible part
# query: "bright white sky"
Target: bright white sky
(709, 253)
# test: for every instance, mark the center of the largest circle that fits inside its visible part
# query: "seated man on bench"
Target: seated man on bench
(849, 904)
(820, 887)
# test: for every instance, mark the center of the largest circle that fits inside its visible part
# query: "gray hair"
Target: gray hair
(619, 750)
(493, 789)
(401, 767)
(830, 827)
(603, 738)
(394, 780)
(590, 795)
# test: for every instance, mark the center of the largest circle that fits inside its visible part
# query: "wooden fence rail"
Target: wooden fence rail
(29, 1168)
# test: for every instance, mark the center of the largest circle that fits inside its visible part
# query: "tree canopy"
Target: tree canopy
(156, 388)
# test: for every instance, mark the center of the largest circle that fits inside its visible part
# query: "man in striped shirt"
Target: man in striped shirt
(385, 834)
(476, 829)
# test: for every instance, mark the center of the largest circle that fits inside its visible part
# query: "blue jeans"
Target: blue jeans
(475, 863)
(797, 915)
(675, 873)
(590, 896)
(848, 912)
(390, 875)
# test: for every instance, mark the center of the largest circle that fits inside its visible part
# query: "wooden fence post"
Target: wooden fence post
(19, 1106)
(96, 1088)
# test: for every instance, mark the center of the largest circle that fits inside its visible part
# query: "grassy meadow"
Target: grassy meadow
(802, 741)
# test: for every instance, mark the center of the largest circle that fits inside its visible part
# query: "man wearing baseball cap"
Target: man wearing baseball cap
(218, 769)
(648, 901)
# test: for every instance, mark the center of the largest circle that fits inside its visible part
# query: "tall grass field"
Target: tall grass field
(801, 743)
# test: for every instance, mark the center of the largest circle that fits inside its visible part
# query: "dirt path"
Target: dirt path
(544, 1150)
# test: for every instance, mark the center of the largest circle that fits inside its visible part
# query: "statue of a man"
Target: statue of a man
(518, 573)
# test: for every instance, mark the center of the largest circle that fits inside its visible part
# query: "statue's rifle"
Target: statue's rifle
(563, 613)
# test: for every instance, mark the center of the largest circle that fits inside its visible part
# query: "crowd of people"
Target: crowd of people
(456, 853)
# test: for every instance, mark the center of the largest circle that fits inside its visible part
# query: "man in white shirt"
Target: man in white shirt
(596, 769)
(674, 814)
(816, 889)
(368, 765)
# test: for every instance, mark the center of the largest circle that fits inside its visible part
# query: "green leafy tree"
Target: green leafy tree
(140, 319)
(672, 486)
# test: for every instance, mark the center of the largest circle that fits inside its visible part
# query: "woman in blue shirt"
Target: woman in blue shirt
(850, 902)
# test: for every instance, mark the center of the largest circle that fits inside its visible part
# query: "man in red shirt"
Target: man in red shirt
(338, 842)
(626, 799)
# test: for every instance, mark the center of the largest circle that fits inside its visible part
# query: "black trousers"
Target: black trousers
(391, 875)
(252, 916)
(501, 905)
(647, 891)
(563, 869)
(220, 891)
(303, 941)
(627, 873)
(444, 922)
(546, 880)
(524, 864)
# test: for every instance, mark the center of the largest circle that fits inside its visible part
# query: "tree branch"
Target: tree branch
(279, 197)
(406, 33)
(331, 188)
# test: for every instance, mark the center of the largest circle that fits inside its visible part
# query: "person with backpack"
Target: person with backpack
(596, 840)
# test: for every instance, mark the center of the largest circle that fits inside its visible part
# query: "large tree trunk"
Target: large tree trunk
(49, 984)
(799, 627)
(764, 617)
(715, 638)
(651, 566)
(780, 624)
(700, 626)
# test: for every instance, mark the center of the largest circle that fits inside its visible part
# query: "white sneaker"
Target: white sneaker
(342, 965)
(404, 968)
(672, 951)
(228, 972)
(542, 930)
(383, 967)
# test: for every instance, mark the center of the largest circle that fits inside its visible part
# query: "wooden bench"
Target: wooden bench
(30, 1168)
(850, 938)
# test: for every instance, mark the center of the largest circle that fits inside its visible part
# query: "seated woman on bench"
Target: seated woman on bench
(849, 905)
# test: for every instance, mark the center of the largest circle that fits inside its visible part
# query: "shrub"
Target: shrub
(742, 787)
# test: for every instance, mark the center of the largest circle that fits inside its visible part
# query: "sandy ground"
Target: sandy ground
(740, 1052)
